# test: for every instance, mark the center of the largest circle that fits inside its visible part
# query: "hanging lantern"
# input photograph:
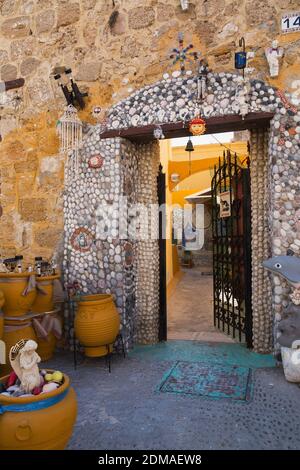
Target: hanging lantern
(197, 126)
(69, 128)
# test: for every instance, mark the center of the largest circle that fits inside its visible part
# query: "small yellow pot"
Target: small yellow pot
(45, 424)
(13, 285)
(44, 303)
(13, 334)
(97, 324)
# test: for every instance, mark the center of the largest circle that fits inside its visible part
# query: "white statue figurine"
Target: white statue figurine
(241, 104)
(273, 54)
(24, 361)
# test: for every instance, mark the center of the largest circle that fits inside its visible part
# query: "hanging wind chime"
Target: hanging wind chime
(69, 128)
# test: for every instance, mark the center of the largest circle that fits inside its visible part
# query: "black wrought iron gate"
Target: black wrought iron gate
(161, 190)
(231, 224)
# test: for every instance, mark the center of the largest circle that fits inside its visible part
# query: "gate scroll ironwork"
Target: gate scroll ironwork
(232, 247)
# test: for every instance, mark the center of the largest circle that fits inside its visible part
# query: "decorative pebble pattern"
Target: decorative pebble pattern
(275, 195)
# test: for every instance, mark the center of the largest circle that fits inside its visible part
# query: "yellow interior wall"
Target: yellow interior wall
(175, 160)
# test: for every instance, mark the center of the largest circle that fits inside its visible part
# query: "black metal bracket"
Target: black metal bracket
(73, 96)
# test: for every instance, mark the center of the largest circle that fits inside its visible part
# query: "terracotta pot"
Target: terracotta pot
(44, 303)
(46, 347)
(13, 334)
(47, 427)
(13, 285)
(1, 325)
(97, 324)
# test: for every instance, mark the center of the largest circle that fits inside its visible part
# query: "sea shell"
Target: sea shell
(49, 387)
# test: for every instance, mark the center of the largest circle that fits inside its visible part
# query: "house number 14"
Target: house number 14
(290, 23)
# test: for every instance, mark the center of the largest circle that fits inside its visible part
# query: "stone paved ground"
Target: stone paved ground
(123, 410)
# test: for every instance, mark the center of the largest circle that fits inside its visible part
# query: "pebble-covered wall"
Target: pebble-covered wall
(102, 217)
(275, 184)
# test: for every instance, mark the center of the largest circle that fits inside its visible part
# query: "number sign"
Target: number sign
(290, 22)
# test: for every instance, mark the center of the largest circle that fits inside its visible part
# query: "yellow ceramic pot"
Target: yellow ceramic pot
(13, 286)
(47, 427)
(13, 334)
(44, 302)
(2, 299)
(46, 347)
(1, 325)
(97, 324)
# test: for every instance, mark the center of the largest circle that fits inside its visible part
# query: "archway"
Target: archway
(129, 268)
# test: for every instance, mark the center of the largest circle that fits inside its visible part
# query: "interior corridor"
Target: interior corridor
(190, 309)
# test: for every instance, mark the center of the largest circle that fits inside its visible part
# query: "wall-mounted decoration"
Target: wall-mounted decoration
(82, 239)
(273, 55)
(241, 104)
(95, 161)
(175, 177)
(100, 114)
(69, 129)
(197, 126)
(290, 22)
(73, 96)
(203, 71)
(225, 206)
(240, 57)
(182, 54)
(158, 133)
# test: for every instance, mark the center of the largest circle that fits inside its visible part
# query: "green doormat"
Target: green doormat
(208, 380)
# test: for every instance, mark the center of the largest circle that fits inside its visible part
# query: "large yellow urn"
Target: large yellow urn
(97, 324)
(44, 300)
(41, 422)
(13, 286)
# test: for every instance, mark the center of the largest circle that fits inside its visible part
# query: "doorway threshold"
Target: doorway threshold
(198, 351)
(205, 336)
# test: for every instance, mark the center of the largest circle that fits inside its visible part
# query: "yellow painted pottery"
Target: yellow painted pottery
(45, 424)
(1, 325)
(13, 286)
(46, 347)
(13, 334)
(2, 299)
(44, 302)
(97, 324)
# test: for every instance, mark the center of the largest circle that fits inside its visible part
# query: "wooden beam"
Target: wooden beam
(214, 125)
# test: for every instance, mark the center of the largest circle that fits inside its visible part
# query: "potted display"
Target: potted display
(97, 324)
(37, 408)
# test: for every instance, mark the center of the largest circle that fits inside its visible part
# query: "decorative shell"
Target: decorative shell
(96, 161)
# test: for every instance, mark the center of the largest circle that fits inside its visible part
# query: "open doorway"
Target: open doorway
(189, 163)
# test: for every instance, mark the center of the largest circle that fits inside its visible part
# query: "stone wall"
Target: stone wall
(112, 51)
